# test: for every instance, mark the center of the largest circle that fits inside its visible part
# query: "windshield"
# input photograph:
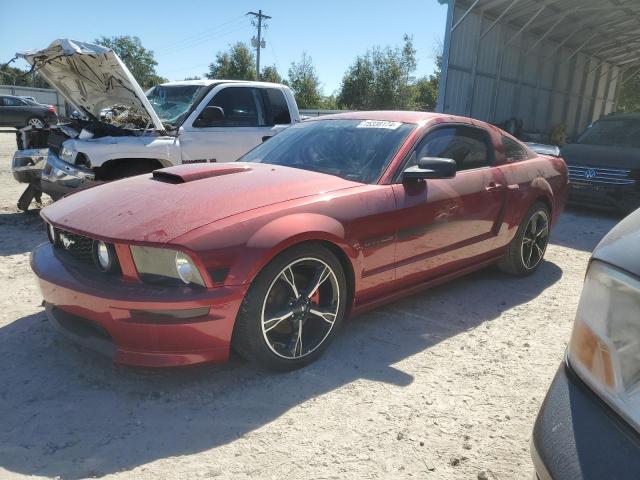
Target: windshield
(621, 132)
(357, 150)
(173, 102)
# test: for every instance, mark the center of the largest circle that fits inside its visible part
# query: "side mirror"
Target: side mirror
(209, 117)
(431, 167)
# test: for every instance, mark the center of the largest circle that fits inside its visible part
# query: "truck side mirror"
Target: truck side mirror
(209, 117)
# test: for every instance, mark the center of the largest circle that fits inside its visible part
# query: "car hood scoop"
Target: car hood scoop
(162, 206)
(190, 173)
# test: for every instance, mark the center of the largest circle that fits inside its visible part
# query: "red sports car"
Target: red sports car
(269, 254)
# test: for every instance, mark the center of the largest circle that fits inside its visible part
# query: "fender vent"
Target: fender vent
(192, 172)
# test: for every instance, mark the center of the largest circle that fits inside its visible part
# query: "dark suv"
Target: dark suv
(19, 112)
(604, 163)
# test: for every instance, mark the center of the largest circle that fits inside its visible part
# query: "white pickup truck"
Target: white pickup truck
(122, 131)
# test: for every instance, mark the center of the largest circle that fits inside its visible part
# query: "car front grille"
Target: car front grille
(600, 176)
(76, 246)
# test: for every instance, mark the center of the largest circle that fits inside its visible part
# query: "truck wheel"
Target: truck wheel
(293, 309)
(527, 249)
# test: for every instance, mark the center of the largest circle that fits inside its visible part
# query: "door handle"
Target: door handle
(494, 187)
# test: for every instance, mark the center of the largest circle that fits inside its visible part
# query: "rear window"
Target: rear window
(278, 110)
(613, 133)
(513, 151)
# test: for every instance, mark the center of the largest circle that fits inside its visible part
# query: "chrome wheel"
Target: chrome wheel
(300, 308)
(36, 122)
(535, 239)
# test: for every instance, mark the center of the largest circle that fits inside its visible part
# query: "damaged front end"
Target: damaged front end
(94, 80)
(109, 103)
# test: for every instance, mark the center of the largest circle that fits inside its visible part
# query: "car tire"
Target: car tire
(36, 122)
(526, 251)
(279, 326)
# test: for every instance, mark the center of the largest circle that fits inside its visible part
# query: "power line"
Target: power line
(195, 36)
(259, 43)
(203, 39)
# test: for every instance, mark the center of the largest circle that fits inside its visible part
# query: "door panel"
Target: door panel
(444, 221)
(449, 220)
(220, 144)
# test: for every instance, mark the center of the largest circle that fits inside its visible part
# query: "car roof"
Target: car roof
(207, 82)
(397, 116)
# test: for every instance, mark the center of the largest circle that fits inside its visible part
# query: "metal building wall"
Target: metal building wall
(541, 82)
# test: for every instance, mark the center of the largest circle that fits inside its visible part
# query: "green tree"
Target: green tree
(381, 79)
(238, 63)
(140, 61)
(304, 82)
(14, 76)
(630, 95)
(270, 74)
(426, 89)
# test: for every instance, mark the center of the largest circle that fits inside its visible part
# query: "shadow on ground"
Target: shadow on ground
(572, 231)
(70, 413)
(21, 232)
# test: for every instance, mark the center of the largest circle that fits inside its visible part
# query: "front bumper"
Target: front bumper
(27, 165)
(60, 178)
(578, 436)
(135, 323)
(616, 197)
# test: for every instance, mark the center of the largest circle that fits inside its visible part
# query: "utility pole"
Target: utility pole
(258, 42)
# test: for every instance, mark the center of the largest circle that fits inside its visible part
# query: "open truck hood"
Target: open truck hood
(90, 77)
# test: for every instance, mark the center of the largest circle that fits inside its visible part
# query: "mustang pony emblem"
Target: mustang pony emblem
(66, 241)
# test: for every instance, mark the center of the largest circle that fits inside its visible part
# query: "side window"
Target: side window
(513, 151)
(278, 110)
(242, 107)
(467, 146)
(12, 102)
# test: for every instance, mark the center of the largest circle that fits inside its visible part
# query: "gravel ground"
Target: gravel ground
(445, 384)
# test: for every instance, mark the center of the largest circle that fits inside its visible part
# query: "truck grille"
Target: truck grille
(77, 246)
(600, 176)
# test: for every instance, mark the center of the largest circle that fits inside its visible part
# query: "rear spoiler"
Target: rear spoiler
(543, 149)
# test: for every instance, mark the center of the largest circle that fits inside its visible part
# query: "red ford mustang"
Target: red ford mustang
(269, 254)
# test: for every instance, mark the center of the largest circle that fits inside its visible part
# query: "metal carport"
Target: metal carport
(547, 62)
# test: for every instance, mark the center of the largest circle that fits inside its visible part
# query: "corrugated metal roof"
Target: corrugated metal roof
(606, 29)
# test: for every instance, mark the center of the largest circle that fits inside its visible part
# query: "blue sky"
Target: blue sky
(185, 35)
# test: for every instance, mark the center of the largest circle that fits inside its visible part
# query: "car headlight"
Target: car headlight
(52, 234)
(605, 344)
(165, 266)
(104, 256)
(66, 154)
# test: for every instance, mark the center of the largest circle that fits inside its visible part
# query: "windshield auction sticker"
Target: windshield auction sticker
(379, 124)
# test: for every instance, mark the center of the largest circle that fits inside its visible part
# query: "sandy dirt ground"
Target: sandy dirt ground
(445, 384)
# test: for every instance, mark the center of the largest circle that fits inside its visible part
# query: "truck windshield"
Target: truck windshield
(357, 150)
(173, 102)
(620, 132)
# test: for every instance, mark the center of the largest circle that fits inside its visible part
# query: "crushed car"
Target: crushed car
(120, 131)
